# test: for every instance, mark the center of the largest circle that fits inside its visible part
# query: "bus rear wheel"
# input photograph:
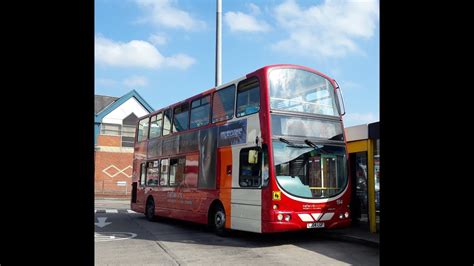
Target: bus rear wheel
(219, 221)
(150, 210)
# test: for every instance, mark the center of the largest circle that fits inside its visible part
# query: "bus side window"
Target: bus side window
(152, 173)
(155, 125)
(177, 171)
(142, 132)
(143, 174)
(200, 110)
(164, 172)
(223, 104)
(250, 167)
(181, 117)
(191, 170)
(167, 122)
(248, 97)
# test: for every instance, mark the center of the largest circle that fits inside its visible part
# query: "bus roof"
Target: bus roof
(265, 69)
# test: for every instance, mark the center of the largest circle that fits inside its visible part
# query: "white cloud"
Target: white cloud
(136, 53)
(164, 13)
(131, 54)
(326, 30)
(135, 81)
(238, 21)
(180, 61)
(353, 119)
(158, 39)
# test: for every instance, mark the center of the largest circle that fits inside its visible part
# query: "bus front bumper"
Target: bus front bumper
(272, 226)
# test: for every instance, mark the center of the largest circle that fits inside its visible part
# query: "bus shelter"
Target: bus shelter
(363, 144)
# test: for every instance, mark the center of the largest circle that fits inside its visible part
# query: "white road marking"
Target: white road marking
(113, 236)
(102, 222)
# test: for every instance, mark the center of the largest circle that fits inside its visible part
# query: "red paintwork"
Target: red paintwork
(202, 198)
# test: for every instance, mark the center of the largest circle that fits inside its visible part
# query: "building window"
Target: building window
(181, 117)
(155, 125)
(110, 129)
(223, 104)
(128, 136)
(248, 98)
(200, 110)
(142, 130)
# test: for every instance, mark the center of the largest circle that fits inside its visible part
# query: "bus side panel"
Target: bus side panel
(225, 176)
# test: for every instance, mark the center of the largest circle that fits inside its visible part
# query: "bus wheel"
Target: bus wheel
(150, 210)
(219, 221)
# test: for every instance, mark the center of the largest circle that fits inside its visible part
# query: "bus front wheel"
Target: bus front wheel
(219, 221)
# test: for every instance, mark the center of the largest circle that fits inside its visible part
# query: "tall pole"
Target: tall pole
(219, 43)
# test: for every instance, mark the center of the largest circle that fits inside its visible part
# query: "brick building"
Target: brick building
(115, 121)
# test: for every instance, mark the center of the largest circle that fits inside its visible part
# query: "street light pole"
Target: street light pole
(219, 43)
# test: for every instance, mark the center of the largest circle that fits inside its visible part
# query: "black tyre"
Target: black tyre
(150, 210)
(219, 219)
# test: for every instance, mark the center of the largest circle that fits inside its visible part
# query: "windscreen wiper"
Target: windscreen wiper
(311, 144)
(291, 144)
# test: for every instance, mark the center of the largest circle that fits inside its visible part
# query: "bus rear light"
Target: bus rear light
(275, 206)
(287, 217)
(346, 214)
(280, 217)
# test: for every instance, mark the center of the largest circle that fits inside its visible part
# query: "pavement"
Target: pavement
(129, 239)
(357, 234)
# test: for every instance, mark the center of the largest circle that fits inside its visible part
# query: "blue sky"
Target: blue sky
(164, 49)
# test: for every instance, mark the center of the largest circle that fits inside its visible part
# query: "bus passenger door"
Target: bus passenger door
(246, 194)
(140, 188)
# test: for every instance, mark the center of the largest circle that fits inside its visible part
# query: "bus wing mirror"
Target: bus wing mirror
(253, 157)
(340, 100)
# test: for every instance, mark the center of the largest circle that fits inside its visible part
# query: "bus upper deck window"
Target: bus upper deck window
(248, 97)
(181, 118)
(143, 129)
(167, 122)
(223, 104)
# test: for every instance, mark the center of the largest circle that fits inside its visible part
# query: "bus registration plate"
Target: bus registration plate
(315, 225)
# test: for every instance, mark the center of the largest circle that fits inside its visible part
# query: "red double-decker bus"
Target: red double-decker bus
(263, 153)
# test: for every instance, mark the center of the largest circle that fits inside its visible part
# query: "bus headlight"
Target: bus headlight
(280, 217)
(287, 217)
(341, 216)
(346, 214)
(275, 206)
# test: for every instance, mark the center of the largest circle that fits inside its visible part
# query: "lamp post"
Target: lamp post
(219, 43)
